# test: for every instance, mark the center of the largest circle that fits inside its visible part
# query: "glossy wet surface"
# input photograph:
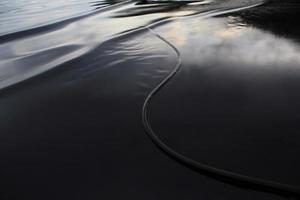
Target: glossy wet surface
(238, 88)
(18, 15)
(72, 95)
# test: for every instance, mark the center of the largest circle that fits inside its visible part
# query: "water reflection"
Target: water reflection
(103, 3)
(21, 15)
(235, 101)
(17, 15)
(278, 17)
(232, 105)
(76, 37)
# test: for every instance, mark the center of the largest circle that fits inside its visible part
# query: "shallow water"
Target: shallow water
(72, 91)
(238, 87)
(17, 15)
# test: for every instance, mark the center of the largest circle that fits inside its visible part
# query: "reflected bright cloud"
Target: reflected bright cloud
(229, 40)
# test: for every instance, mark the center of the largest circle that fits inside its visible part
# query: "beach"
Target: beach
(72, 93)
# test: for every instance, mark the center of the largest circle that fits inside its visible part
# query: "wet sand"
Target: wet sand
(73, 129)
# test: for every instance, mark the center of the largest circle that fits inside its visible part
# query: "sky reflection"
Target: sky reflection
(230, 40)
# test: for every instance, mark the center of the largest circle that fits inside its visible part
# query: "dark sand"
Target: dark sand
(75, 132)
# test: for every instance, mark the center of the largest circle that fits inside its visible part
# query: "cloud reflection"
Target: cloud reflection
(229, 40)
